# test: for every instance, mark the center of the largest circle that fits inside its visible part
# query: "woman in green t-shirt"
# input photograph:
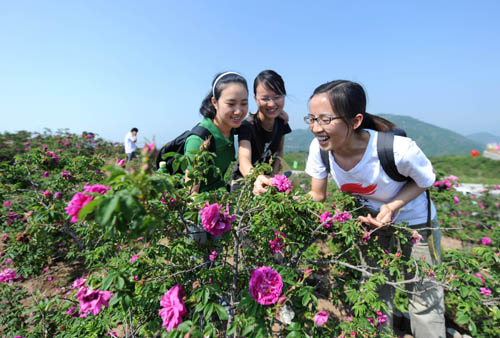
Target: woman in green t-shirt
(223, 109)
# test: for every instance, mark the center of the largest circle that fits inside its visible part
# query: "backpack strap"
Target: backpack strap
(385, 150)
(204, 133)
(326, 160)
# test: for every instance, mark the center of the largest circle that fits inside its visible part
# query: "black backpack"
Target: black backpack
(177, 146)
(385, 151)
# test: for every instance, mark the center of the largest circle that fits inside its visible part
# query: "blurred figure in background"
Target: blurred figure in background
(130, 141)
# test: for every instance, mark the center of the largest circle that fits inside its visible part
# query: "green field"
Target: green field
(468, 169)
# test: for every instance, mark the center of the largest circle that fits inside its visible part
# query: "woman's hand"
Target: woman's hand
(383, 217)
(261, 184)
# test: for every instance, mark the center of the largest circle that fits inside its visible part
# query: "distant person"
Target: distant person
(223, 110)
(342, 128)
(262, 134)
(130, 141)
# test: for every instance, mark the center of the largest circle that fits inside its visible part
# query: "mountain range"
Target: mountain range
(433, 140)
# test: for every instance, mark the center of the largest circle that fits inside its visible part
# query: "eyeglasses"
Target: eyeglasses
(269, 99)
(322, 120)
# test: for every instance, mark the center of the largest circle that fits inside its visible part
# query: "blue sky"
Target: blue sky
(106, 66)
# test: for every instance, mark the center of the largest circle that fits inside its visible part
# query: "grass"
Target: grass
(469, 169)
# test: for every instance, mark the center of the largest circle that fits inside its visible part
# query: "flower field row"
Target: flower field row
(92, 246)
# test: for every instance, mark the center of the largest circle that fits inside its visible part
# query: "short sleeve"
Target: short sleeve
(286, 128)
(245, 131)
(193, 143)
(314, 166)
(412, 162)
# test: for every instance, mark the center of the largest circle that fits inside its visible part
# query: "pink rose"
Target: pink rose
(7, 204)
(171, 200)
(326, 219)
(66, 175)
(53, 155)
(277, 243)
(92, 301)
(321, 318)
(80, 199)
(79, 282)
(133, 258)
(45, 174)
(486, 241)
(452, 178)
(485, 292)
(265, 285)
(478, 275)
(9, 275)
(70, 311)
(13, 216)
(215, 222)
(366, 237)
(58, 195)
(343, 216)
(381, 318)
(173, 308)
(46, 193)
(456, 199)
(416, 237)
(148, 149)
(213, 256)
(282, 183)
(120, 162)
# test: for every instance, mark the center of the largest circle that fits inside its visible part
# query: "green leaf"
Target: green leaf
(89, 208)
(120, 282)
(221, 312)
(115, 299)
(305, 299)
(109, 210)
(208, 310)
(185, 326)
(294, 326)
(248, 329)
(294, 334)
(462, 318)
(106, 283)
(206, 295)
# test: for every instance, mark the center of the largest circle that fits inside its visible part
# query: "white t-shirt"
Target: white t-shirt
(369, 182)
(130, 142)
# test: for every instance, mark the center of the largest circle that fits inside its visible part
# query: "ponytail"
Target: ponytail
(207, 109)
(375, 122)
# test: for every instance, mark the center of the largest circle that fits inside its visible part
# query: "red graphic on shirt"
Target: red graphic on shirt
(357, 188)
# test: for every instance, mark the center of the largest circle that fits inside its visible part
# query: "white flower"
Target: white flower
(286, 314)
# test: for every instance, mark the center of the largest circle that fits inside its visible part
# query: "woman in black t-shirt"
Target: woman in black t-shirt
(262, 135)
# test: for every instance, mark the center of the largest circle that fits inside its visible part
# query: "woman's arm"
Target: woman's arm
(277, 161)
(318, 189)
(409, 192)
(245, 157)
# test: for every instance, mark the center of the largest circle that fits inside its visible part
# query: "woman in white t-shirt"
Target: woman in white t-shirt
(338, 119)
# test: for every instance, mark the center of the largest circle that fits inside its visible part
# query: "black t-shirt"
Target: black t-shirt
(264, 143)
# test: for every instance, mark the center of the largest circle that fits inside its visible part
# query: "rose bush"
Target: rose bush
(135, 269)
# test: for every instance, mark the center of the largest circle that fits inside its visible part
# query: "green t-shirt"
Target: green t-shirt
(224, 151)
